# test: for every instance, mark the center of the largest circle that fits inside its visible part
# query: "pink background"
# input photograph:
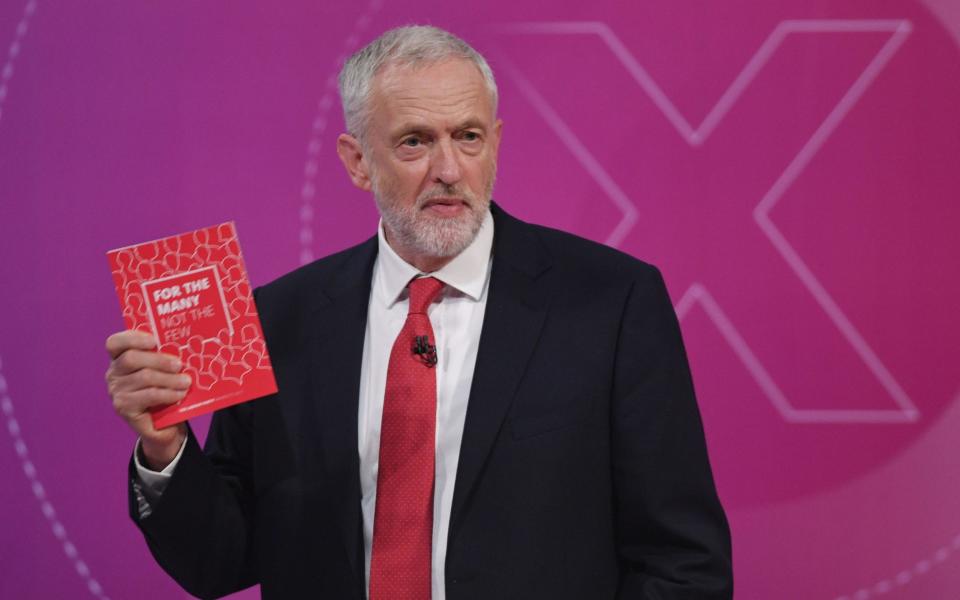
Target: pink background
(792, 166)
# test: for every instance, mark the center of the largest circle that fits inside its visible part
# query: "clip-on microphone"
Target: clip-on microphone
(425, 350)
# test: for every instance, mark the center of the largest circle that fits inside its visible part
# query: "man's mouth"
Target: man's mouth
(446, 206)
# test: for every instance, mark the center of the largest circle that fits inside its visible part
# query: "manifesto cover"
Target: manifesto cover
(192, 294)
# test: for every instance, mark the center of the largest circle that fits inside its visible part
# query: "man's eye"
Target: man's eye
(470, 136)
(411, 142)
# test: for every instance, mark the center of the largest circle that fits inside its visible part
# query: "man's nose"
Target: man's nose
(445, 163)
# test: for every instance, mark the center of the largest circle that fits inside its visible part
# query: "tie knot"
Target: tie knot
(422, 292)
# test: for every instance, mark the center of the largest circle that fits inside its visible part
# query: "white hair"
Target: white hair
(413, 45)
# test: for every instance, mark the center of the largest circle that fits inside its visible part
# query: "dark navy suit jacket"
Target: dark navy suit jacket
(583, 472)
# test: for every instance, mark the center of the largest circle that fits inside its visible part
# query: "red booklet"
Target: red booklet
(191, 292)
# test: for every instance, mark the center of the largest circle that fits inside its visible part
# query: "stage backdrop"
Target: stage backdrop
(790, 165)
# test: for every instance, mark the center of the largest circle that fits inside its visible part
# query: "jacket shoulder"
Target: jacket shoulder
(578, 256)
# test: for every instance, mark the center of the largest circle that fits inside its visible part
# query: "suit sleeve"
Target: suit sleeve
(199, 530)
(672, 535)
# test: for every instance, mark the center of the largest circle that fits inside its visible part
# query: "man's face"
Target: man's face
(431, 155)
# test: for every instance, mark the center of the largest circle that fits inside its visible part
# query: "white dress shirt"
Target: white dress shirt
(457, 319)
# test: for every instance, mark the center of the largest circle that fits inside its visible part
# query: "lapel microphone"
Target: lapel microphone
(425, 350)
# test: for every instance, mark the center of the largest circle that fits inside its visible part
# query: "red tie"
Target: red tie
(403, 521)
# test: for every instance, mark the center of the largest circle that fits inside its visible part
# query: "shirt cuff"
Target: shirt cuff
(155, 482)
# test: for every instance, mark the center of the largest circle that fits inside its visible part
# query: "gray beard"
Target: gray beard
(423, 234)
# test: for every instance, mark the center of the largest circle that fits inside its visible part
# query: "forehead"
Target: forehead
(452, 88)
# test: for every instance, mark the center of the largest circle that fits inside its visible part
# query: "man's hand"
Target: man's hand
(139, 378)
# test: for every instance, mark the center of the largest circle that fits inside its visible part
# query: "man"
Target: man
(518, 424)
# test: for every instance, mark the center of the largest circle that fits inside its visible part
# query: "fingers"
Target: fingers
(133, 360)
(136, 392)
(122, 341)
(139, 377)
(133, 404)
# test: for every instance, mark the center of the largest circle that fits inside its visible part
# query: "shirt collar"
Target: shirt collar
(467, 272)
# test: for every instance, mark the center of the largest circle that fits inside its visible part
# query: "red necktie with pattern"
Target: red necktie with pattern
(403, 520)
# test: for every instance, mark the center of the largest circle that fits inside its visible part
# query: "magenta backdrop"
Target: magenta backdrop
(791, 165)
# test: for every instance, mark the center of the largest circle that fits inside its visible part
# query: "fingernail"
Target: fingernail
(185, 379)
(176, 364)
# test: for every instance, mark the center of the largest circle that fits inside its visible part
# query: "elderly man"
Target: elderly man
(469, 406)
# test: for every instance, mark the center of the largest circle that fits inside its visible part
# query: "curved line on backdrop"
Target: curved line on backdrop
(309, 190)
(6, 403)
(905, 576)
(40, 493)
(14, 51)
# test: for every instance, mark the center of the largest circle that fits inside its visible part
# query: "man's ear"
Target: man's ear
(351, 155)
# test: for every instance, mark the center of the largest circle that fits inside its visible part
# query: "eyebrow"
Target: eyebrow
(471, 123)
(408, 128)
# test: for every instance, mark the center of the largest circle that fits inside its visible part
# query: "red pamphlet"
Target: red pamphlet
(191, 292)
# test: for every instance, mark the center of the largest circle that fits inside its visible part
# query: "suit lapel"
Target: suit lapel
(515, 312)
(341, 317)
